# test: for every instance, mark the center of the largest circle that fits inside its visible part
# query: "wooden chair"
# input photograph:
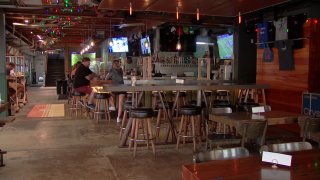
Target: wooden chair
(287, 147)
(221, 154)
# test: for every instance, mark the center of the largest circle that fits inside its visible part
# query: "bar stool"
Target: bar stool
(126, 109)
(141, 117)
(190, 114)
(181, 101)
(162, 112)
(208, 95)
(77, 103)
(155, 99)
(102, 99)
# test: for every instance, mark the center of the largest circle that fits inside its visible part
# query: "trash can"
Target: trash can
(62, 86)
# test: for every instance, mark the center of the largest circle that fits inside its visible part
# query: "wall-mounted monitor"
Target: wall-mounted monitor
(145, 49)
(225, 46)
(75, 57)
(120, 44)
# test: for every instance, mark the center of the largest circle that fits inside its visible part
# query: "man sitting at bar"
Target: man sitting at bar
(82, 79)
(12, 78)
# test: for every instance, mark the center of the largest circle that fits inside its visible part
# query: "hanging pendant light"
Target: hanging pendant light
(146, 43)
(178, 46)
(130, 9)
(177, 13)
(110, 40)
(198, 14)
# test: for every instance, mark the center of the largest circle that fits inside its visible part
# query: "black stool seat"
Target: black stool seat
(168, 105)
(102, 95)
(141, 113)
(223, 93)
(247, 106)
(182, 94)
(207, 93)
(78, 94)
(221, 103)
(194, 103)
(190, 110)
(156, 94)
(128, 105)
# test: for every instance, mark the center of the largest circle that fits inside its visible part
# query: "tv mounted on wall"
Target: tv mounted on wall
(120, 44)
(225, 46)
(145, 49)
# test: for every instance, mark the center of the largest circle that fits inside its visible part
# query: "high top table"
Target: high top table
(305, 165)
(159, 86)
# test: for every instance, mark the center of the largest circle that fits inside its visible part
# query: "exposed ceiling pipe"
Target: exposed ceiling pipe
(20, 7)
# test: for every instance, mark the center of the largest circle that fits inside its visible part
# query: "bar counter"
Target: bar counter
(165, 85)
(170, 85)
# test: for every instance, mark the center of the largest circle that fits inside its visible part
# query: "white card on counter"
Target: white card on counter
(259, 109)
(276, 158)
(179, 81)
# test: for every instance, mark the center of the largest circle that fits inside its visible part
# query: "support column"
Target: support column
(3, 80)
(67, 61)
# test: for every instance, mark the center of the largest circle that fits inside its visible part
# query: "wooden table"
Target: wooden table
(305, 165)
(273, 117)
(161, 86)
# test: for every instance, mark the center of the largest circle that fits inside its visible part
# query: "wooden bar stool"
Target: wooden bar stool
(190, 114)
(162, 112)
(102, 105)
(126, 109)
(141, 119)
(77, 103)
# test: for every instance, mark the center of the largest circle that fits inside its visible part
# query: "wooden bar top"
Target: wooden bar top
(305, 165)
(186, 86)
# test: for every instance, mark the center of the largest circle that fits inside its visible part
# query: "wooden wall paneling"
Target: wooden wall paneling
(286, 86)
(314, 62)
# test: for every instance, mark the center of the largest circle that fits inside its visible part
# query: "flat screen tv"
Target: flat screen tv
(225, 46)
(120, 44)
(145, 50)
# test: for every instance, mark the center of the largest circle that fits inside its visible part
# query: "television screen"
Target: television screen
(120, 44)
(75, 57)
(145, 50)
(225, 46)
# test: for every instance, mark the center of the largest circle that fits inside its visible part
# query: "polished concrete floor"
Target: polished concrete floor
(70, 148)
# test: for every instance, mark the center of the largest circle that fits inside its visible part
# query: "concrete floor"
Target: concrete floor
(69, 148)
